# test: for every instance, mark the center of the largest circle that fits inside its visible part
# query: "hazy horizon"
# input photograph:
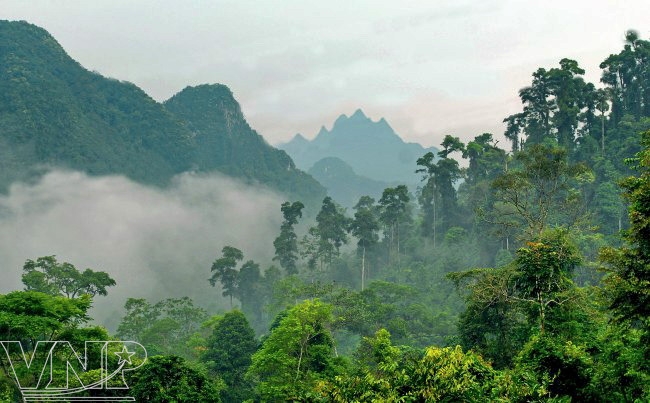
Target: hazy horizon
(429, 69)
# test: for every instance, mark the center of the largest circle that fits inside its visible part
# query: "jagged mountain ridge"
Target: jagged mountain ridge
(372, 149)
(55, 113)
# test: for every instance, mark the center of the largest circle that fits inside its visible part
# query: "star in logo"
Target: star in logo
(125, 356)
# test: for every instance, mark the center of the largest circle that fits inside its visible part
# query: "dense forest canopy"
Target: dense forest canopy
(55, 113)
(522, 274)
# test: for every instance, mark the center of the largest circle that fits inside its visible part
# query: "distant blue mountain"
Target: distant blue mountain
(372, 149)
(343, 184)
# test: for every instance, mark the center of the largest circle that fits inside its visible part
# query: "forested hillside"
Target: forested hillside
(342, 183)
(523, 277)
(55, 113)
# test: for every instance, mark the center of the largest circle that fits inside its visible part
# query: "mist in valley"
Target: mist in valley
(156, 243)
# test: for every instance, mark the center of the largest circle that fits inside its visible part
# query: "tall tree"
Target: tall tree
(544, 269)
(628, 76)
(331, 225)
(394, 211)
(249, 290)
(286, 244)
(365, 228)
(428, 196)
(570, 96)
(628, 281)
(553, 106)
(228, 355)
(439, 194)
(225, 272)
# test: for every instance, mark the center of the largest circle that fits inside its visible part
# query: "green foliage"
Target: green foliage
(544, 269)
(626, 74)
(566, 365)
(620, 365)
(538, 327)
(286, 244)
(224, 271)
(553, 107)
(57, 113)
(438, 194)
(629, 279)
(394, 212)
(365, 228)
(223, 140)
(31, 315)
(8, 391)
(545, 190)
(505, 304)
(165, 327)
(228, 355)
(388, 373)
(51, 277)
(331, 226)
(165, 379)
(296, 354)
(627, 284)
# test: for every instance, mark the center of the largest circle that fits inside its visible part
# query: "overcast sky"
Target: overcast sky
(431, 67)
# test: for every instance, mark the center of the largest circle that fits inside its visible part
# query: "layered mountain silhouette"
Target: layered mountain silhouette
(55, 113)
(372, 149)
(343, 184)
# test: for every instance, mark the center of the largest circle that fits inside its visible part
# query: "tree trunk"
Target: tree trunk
(363, 267)
(434, 221)
(602, 132)
(398, 264)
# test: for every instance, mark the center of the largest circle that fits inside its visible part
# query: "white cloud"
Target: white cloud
(295, 65)
(156, 243)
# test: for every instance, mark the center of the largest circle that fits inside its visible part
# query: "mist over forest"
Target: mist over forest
(354, 266)
(156, 243)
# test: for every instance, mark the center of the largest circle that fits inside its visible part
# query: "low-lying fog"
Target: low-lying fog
(156, 243)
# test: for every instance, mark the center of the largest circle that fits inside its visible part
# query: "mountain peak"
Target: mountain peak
(210, 104)
(357, 117)
(371, 148)
(358, 114)
(340, 120)
(209, 91)
(299, 139)
(322, 132)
